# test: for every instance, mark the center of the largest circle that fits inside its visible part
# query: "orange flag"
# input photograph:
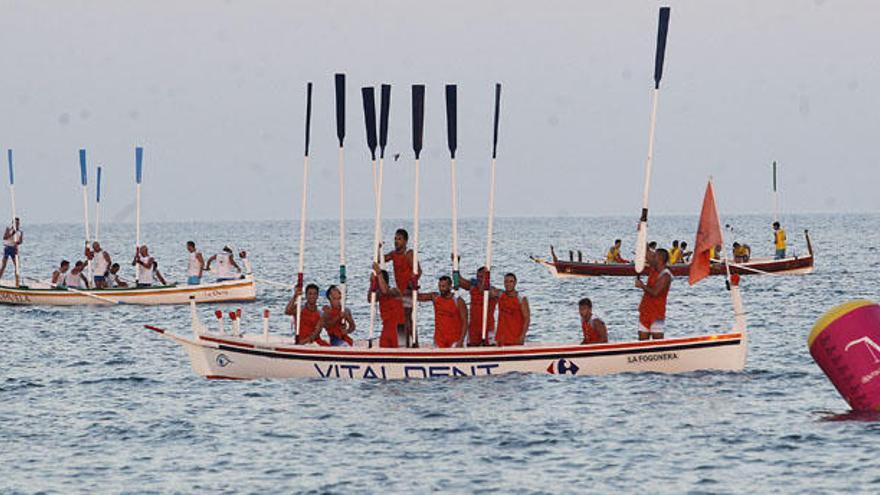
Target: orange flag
(708, 235)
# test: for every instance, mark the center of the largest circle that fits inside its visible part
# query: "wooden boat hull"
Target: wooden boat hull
(233, 290)
(794, 265)
(219, 356)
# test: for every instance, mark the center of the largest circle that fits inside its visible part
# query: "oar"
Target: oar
(452, 141)
(302, 212)
(80, 292)
(98, 205)
(14, 214)
(491, 213)
(84, 179)
(642, 240)
(369, 98)
(775, 195)
(384, 111)
(138, 176)
(340, 133)
(418, 127)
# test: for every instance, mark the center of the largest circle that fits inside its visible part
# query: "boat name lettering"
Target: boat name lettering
(646, 358)
(14, 298)
(380, 372)
(215, 293)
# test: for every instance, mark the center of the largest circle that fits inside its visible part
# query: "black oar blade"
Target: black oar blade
(451, 118)
(774, 175)
(497, 116)
(369, 96)
(662, 29)
(418, 108)
(308, 115)
(340, 108)
(384, 110)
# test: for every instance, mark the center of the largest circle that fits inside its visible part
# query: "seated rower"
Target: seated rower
(613, 255)
(75, 277)
(158, 274)
(514, 314)
(450, 314)
(59, 274)
(476, 286)
(100, 262)
(310, 315)
(144, 264)
(390, 309)
(674, 253)
(594, 328)
(195, 265)
(227, 269)
(113, 278)
(685, 254)
(339, 323)
(740, 254)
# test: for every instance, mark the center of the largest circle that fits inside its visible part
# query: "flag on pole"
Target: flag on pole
(708, 236)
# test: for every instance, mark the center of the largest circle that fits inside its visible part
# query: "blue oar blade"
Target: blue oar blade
(98, 185)
(662, 30)
(11, 168)
(83, 174)
(138, 164)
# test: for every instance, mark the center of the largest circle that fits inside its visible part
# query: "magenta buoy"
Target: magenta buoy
(845, 343)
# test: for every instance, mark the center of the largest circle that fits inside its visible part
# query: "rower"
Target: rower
(100, 262)
(58, 274)
(674, 253)
(339, 324)
(741, 252)
(652, 309)
(195, 265)
(227, 269)
(514, 314)
(475, 287)
(75, 278)
(246, 263)
(613, 255)
(450, 314)
(157, 274)
(113, 278)
(685, 254)
(310, 316)
(12, 239)
(144, 265)
(595, 331)
(390, 310)
(779, 240)
(402, 259)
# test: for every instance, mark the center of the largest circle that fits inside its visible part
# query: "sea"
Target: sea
(91, 402)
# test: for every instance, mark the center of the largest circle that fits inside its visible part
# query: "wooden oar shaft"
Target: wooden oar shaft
(376, 193)
(342, 274)
(415, 291)
(489, 233)
(302, 238)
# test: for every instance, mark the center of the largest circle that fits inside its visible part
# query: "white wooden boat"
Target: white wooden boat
(43, 294)
(218, 355)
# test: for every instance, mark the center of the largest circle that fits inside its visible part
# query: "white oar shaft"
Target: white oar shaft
(650, 160)
(376, 256)
(302, 239)
(415, 291)
(98, 221)
(454, 195)
(137, 217)
(342, 274)
(489, 233)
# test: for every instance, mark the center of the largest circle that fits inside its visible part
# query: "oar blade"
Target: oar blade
(384, 111)
(418, 109)
(138, 164)
(774, 175)
(452, 118)
(98, 186)
(369, 97)
(11, 168)
(497, 117)
(340, 108)
(662, 30)
(308, 115)
(83, 173)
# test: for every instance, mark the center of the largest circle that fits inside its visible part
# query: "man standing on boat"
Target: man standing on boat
(402, 259)
(613, 255)
(12, 239)
(310, 316)
(145, 267)
(100, 262)
(475, 287)
(514, 314)
(227, 269)
(339, 323)
(245, 263)
(674, 253)
(450, 314)
(652, 309)
(195, 265)
(390, 309)
(779, 240)
(593, 327)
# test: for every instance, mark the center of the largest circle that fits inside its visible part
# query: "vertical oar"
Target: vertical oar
(735, 296)
(14, 214)
(491, 220)
(302, 214)
(418, 127)
(369, 98)
(384, 111)
(138, 175)
(84, 179)
(340, 133)
(775, 195)
(452, 141)
(642, 240)
(98, 206)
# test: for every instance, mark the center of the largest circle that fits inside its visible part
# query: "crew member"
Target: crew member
(12, 239)
(779, 240)
(309, 316)
(613, 255)
(245, 263)
(404, 278)
(157, 274)
(144, 267)
(100, 262)
(195, 265)
(475, 287)
(652, 309)
(227, 269)
(514, 315)
(58, 275)
(450, 314)
(685, 254)
(390, 310)
(674, 253)
(593, 327)
(113, 278)
(75, 278)
(339, 324)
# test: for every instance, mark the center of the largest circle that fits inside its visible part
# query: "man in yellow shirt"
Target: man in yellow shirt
(674, 253)
(779, 240)
(613, 255)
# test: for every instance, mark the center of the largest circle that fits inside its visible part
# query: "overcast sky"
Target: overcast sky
(215, 93)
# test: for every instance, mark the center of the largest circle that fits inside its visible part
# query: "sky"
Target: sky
(215, 93)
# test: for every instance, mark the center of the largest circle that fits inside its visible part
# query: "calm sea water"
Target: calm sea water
(92, 402)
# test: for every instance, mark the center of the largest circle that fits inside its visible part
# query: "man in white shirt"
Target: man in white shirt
(12, 238)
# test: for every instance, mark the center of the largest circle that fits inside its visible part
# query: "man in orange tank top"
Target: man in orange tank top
(402, 260)
(475, 287)
(450, 314)
(390, 309)
(339, 323)
(594, 328)
(310, 316)
(652, 309)
(514, 314)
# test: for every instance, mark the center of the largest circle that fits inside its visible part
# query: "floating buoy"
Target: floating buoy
(845, 343)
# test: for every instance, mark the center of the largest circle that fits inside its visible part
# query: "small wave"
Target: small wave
(13, 384)
(118, 379)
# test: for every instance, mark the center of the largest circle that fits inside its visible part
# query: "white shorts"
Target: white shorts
(656, 327)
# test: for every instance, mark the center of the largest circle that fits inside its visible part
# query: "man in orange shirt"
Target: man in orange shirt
(450, 314)
(475, 287)
(514, 314)
(652, 309)
(390, 309)
(593, 327)
(404, 277)
(309, 329)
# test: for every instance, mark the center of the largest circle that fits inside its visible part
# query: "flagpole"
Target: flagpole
(98, 205)
(85, 194)
(14, 215)
(491, 220)
(340, 134)
(138, 176)
(452, 141)
(418, 107)
(369, 99)
(642, 238)
(302, 215)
